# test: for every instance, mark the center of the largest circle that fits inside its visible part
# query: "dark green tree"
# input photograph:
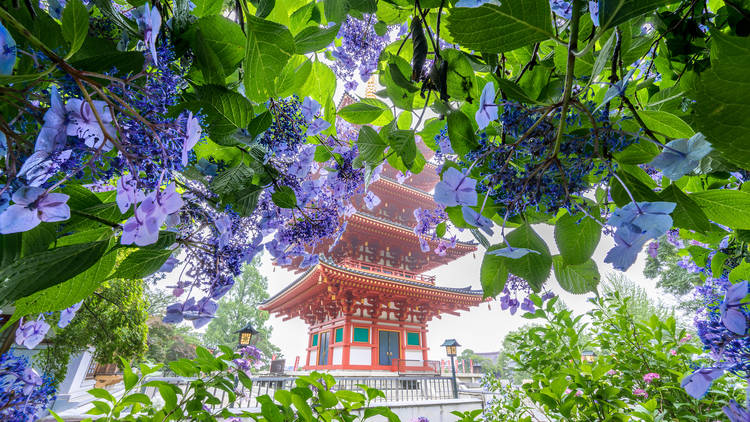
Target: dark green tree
(169, 342)
(240, 307)
(112, 322)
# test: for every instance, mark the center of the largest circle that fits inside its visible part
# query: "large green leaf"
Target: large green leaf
(284, 197)
(224, 38)
(313, 38)
(532, 267)
(320, 84)
(232, 179)
(142, 263)
(69, 292)
(496, 29)
(39, 271)
(404, 143)
(461, 79)
(722, 98)
(576, 279)
(225, 109)
(269, 47)
(687, 214)
(207, 7)
(461, 133)
(615, 12)
(75, 25)
(728, 207)
(362, 113)
(577, 237)
(295, 73)
(207, 60)
(370, 144)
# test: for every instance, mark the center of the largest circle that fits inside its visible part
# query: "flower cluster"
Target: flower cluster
(514, 286)
(427, 229)
(24, 394)
(359, 50)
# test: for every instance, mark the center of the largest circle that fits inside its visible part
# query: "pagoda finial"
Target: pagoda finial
(370, 90)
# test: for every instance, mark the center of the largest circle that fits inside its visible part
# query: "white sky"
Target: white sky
(480, 329)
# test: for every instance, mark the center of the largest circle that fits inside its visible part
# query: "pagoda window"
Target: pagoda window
(361, 335)
(412, 339)
(338, 336)
(315, 340)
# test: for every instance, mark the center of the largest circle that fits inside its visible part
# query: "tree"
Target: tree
(240, 307)
(668, 267)
(169, 342)
(112, 322)
(640, 304)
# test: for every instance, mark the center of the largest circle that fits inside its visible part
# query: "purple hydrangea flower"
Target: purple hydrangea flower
(487, 108)
(32, 206)
(309, 109)
(318, 125)
(735, 412)
(653, 249)
(7, 51)
(193, 133)
(149, 21)
(128, 194)
(594, 11)
(169, 264)
(371, 200)
(84, 125)
(455, 189)
(528, 305)
(698, 383)
(31, 333)
(67, 314)
(561, 8)
(731, 315)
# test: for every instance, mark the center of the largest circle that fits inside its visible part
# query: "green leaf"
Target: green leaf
(320, 84)
(103, 394)
(404, 143)
(245, 200)
(38, 239)
(302, 407)
(722, 98)
(207, 7)
(638, 152)
(224, 38)
(260, 123)
(327, 399)
(207, 60)
(577, 237)
(269, 410)
(361, 113)
(75, 25)
(335, 10)
(687, 214)
(295, 73)
(534, 268)
(370, 144)
(232, 179)
(497, 29)
(615, 12)
(313, 38)
(728, 207)
(39, 271)
(461, 133)
(284, 197)
(514, 92)
(666, 123)
(264, 8)
(225, 109)
(461, 80)
(639, 190)
(69, 292)
(576, 279)
(142, 263)
(269, 46)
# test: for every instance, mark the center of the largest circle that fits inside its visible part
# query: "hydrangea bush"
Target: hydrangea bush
(187, 136)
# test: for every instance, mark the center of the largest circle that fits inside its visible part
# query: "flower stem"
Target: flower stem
(569, 73)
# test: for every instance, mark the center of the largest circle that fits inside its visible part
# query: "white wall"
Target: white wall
(360, 355)
(338, 355)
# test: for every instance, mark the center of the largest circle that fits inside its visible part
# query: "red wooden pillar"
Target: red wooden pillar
(423, 331)
(347, 341)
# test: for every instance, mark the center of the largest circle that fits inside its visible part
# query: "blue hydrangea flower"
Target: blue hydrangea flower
(371, 200)
(698, 383)
(7, 51)
(318, 125)
(67, 314)
(455, 189)
(31, 206)
(682, 156)
(309, 109)
(83, 123)
(561, 8)
(594, 12)
(731, 315)
(473, 3)
(169, 265)
(650, 217)
(735, 412)
(193, 133)
(487, 108)
(56, 8)
(149, 21)
(628, 243)
(512, 253)
(30, 333)
(476, 219)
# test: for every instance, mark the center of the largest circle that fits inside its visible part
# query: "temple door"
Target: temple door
(323, 352)
(388, 347)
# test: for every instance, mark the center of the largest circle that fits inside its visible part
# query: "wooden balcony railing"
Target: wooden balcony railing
(386, 270)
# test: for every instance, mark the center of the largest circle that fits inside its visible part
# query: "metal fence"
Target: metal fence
(395, 388)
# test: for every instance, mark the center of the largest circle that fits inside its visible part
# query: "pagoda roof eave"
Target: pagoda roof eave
(324, 262)
(472, 246)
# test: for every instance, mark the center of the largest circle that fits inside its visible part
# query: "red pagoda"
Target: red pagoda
(367, 302)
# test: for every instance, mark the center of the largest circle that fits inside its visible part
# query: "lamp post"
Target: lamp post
(450, 348)
(246, 335)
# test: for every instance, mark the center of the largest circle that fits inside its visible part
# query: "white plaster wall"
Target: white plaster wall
(338, 355)
(313, 357)
(433, 410)
(413, 355)
(360, 355)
